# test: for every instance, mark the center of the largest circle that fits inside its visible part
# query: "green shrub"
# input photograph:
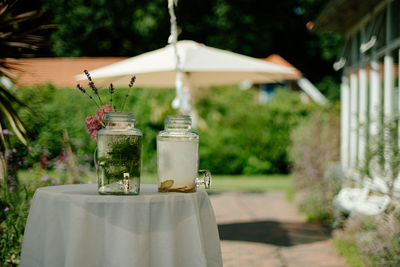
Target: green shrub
(242, 136)
(14, 207)
(374, 239)
(56, 110)
(314, 152)
(237, 135)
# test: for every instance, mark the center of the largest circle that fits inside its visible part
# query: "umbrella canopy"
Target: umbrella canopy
(201, 66)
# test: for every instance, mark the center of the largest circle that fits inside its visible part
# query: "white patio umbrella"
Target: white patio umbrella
(200, 66)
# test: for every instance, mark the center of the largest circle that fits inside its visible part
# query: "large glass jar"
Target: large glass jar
(119, 149)
(177, 156)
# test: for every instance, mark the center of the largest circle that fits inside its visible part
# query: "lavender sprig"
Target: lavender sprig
(88, 75)
(133, 79)
(92, 86)
(111, 94)
(80, 88)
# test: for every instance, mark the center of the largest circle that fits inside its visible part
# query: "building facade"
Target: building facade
(370, 76)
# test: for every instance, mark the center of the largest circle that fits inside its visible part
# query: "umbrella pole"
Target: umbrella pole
(173, 38)
(179, 92)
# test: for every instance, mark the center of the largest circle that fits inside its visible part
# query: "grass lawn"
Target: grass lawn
(251, 183)
(348, 250)
(244, 183)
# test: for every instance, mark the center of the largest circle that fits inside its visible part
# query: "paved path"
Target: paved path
(266, 230)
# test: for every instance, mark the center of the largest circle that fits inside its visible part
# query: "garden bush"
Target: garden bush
(315, 155)
(237, 135)
(56, 111)
(14, 207)
(376, 238)
(242, 136)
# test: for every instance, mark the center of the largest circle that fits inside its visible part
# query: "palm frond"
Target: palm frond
(18, 38)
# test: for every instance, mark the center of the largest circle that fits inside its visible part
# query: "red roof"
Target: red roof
(61, 72)
(277, 59)
(58, 71)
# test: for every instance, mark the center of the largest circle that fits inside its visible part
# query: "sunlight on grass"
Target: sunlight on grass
(349, 251)
(251, 183)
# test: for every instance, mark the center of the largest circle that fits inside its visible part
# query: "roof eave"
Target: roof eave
(342, 15)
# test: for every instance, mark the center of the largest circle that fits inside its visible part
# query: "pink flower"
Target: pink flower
(93, 125)
(101, 112)
(6, 209)
(45, 178)
(94, 135)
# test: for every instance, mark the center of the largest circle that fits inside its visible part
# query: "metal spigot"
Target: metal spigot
(126, 183)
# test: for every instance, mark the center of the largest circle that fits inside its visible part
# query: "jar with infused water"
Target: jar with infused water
(119, 149)
(178, 157)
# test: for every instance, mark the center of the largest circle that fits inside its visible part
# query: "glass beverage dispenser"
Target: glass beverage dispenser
(119, 148)
(178, 157)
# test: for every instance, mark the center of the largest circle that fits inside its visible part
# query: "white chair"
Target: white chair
(373, 205)
(347, 198)
(358, 200)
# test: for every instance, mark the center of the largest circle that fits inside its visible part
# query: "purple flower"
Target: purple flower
(29, 148)
(133, 79)
(82, 168)
(80, 88)
(14, 150)
(11, 189)
(45, 178)
(6, 209)
(87, 75)
(53, 182)
(6, 132)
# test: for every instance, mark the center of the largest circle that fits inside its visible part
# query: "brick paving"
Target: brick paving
(265, 229)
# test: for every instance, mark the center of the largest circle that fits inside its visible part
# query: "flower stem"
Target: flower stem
(111, 93)
(91, 97)
(123, 106)
(80, 88)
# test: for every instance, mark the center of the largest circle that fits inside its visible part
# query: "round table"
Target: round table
(72, 225)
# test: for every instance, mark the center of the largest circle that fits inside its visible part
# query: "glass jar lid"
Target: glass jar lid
(178, 120)
(120, 117)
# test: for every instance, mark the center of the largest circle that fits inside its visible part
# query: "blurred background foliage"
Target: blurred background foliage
(255, 28)
(233, 127)
(316, 168)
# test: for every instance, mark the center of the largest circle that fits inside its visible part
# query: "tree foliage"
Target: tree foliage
(251, 27)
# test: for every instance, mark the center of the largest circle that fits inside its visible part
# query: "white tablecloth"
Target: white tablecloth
(71, 225)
